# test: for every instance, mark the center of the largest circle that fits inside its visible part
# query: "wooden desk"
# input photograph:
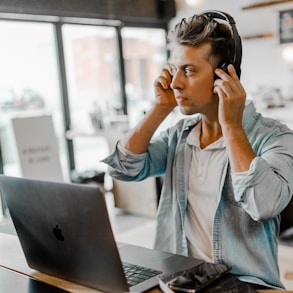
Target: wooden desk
(12, 258)
(14, 282)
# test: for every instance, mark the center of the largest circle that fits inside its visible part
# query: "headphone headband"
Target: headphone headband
(237, 40)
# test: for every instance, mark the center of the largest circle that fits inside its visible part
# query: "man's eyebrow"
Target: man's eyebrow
(181, 65)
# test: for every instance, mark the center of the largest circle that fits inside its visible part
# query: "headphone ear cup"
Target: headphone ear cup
(224, 66)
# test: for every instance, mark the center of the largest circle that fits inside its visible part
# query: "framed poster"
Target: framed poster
(286, 26)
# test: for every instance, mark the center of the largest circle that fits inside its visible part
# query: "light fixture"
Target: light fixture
(287, 53)
(192, 2)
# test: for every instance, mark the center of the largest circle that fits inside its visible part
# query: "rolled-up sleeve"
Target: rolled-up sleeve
(125, 165)
(266, 188)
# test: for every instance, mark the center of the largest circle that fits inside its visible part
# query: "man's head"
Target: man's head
(200, 45)
(201, 29)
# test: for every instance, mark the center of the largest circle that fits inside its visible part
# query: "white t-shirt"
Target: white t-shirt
(203, 195)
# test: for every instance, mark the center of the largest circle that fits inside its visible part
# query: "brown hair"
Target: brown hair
(200, 29)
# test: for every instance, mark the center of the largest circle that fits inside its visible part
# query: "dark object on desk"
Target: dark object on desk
(210, 278)
(230, 284)
(87, 176)
(286, 226)
(13, 282)
(287, 217)
(286, 237)
(199, 278)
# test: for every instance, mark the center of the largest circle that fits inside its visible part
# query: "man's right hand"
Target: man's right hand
(137, 140)
(164, 93)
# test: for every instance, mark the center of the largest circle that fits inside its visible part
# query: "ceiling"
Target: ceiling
(251, 23)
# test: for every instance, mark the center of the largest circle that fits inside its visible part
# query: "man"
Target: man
(228, 171)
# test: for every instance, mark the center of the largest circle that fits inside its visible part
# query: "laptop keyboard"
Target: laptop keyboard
(136, 274)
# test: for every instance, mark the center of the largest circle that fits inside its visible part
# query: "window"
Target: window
(94, 89)
(29, 82)
(144, 54)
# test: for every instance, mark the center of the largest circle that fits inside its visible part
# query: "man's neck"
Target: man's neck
(210, 132)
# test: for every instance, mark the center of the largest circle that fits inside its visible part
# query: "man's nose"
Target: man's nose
(177, 81)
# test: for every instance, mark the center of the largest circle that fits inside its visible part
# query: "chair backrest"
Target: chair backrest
(287, 217)
(139, 198)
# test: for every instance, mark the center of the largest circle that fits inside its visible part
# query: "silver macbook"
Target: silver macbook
(65, 231)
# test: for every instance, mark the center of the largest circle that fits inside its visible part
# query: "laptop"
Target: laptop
(65, 231)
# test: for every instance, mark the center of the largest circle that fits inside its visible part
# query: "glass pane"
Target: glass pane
(145, 54)
(29, 82)
(94, 89)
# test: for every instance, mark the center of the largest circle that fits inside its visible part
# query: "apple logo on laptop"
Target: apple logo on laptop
(58, 233)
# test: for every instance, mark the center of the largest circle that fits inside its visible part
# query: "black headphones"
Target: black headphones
(236, 61)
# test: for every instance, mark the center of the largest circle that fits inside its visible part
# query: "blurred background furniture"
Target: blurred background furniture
(286, 228)
(139, 198)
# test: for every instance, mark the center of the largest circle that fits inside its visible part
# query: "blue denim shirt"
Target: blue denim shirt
(246, 224)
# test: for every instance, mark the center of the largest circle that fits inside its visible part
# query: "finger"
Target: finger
(237, 85)
(223, 87)
(164, 80)
(229, 82)
(161, 82)
(232, 72)
(227, 75)
(221, 74)
(167, 76)
(219, 92)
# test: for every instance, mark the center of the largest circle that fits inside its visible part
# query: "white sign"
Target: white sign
(37, 147)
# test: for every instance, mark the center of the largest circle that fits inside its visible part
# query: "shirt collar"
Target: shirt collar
(193, 139)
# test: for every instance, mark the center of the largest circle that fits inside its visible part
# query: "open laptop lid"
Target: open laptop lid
(64, 230)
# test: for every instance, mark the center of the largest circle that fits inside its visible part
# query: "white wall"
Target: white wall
(263, 65)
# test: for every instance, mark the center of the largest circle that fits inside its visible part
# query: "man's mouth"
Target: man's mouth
(180, 99)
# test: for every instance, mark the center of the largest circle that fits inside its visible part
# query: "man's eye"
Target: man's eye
(187, 71)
